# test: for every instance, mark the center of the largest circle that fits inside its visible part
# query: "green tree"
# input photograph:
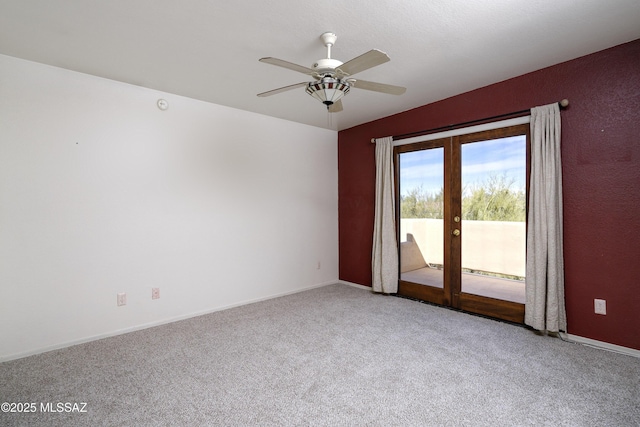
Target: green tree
(494, 200)
(420, 204)
(491, 200)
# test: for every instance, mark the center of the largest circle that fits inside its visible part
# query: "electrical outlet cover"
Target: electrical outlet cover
(600, 306)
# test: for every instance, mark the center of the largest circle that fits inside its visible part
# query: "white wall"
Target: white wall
(101, 192)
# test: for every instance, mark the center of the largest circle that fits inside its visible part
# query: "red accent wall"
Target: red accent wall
(601, 180)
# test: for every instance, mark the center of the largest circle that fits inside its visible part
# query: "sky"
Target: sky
(479, 160)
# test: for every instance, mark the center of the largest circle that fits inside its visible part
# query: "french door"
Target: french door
(461, 202)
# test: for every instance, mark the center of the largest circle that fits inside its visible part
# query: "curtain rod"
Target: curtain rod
(563, 104)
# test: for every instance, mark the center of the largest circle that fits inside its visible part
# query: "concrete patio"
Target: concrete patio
(477, 284)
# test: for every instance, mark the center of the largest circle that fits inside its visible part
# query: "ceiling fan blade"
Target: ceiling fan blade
(282, 89)
(336, 107)
(377, 87)
(288, 65)
(363, 62)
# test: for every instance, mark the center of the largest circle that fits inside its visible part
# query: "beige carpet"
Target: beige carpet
(333, 356)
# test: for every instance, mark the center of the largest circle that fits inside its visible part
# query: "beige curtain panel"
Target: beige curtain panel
(384, 262)
(545, 308)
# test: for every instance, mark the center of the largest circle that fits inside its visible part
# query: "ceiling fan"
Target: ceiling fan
(333, 78)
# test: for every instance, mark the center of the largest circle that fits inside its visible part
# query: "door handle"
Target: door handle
(456, 232)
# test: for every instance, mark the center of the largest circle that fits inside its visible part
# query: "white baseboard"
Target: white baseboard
(601, 345)
(568, 337)
(153, 324)
(355, 285)
(573, 338)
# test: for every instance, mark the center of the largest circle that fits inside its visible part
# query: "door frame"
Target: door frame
(451, 295)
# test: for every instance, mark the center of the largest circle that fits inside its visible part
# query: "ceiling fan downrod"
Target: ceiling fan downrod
(326, 67)
(329, 39)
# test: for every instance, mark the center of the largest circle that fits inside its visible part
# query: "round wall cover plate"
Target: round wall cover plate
(163, 104)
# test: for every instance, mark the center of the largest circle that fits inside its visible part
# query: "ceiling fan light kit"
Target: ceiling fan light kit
(328, 90)
(333, 77)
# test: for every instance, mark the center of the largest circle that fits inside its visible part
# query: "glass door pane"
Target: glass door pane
(493, 225)
(421, 216)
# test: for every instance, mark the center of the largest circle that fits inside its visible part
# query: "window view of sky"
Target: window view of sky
(480, 160)
(424, 167)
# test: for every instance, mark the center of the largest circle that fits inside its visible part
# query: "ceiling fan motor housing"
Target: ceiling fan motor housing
(326, 66)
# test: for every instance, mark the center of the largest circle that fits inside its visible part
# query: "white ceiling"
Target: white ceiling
(209, 49)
